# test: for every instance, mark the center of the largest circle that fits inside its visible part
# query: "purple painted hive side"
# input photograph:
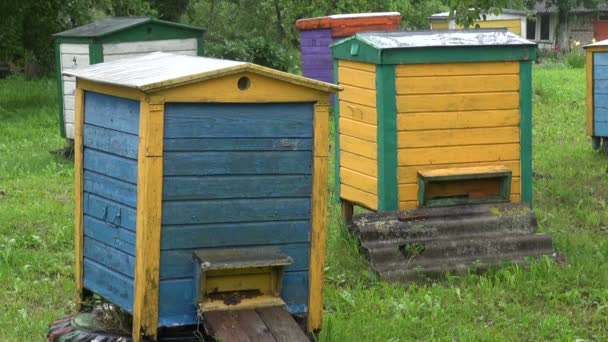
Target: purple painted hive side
(316, 55)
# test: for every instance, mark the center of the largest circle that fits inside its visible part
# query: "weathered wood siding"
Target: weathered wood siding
(316, 55)
(115, 51)
(72, 56)
(456, 115)
(512, 25)
(110, 142)
(234, 175)
(358, 133)
(600, 94)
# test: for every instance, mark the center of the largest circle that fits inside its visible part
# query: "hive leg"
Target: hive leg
(597, 142)
(347, 211)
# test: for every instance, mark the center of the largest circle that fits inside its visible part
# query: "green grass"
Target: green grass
(545, 301)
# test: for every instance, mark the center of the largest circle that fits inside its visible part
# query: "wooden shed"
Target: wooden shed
(316, 34)
(198, 179)
(513, 20)
(111, 39)
(433, 118)
(597, 93)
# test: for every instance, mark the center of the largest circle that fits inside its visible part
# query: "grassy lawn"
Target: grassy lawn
(544, 301)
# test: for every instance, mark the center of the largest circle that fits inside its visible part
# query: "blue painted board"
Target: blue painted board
(177, 298)
(600, 101)
(111, 112)
(235, 210)
(110, 211)
(234, 234)
(600, 87)
(108, 284)
(237, 144)
(110, 188)
(111, 141)
(600, 72)
(180, 263)
(120, 238)
(110, 257)
(601, 129)
(236, 163)
(600, 58)
(190, 120)
(111, 165)
(212, 187)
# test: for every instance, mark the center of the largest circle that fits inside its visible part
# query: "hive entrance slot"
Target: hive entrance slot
(455, 186)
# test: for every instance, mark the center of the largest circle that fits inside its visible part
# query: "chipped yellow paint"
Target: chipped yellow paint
(457, 84)
(358, 112)
(456, 69)
(456, 137)
(78, 194)
(457, 120)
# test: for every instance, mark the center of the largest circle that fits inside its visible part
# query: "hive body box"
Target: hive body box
(316, 34)
(111, 39)
(597, 93)
(172, 157)
(420, 101)
(513, 20)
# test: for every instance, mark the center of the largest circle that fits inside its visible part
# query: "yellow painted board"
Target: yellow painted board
(262, 301)
(359, 163)
(515, 198)
(454, 69)
(225, 89)
(455, 120)
(470, 170)
(321, 130)
(357, 78)
(358, 146)
(239, 282)
(458, 154)
(456, 84)
(357, 65)
(360, 197)
(358, 112)
(149, 213)
(358, 180)
(457, 137)
(513, 25)
(409, 174)
(457, 102)
(113, 90)
(589, 66)
(440, 25)
(408, 205)
(78, 194)
(358, 95)
(358, 129)
(409, 192)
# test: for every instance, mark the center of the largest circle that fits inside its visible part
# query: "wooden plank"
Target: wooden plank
(192, 120)
(282, 325)
(457, 119)
(121, 238)
(237, 163)
(236, 210)
(261, 301)
(115, 57)
(458, 137)
(110, 165)
(358, 146)
(110, 188)
(110, 89)
(409, 192)
(358, 112)
(321, 129)
(238, 325)
(359, 180)
(358, 95)
(599, 58)
(458, 154)
(472, 170)
(74, 61)
(112, 112)
(408, 205)
(109, 257)
(107, 210)
(108, 284)
(357, 65)
(459, 188)
(234, 234)
(357, 78)
(66, 48)
(296, 289)
(457, 102)
(238, 144)
(440, 25)
(409, 174)
(111, 141)
(78, 197)
(359, 163)
(457, 84)
(222, 187)
(366, 199)
(454, 69)
(358, 129)
(600, 72)
(165, 45)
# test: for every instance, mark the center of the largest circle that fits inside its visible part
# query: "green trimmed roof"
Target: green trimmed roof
(112, 25)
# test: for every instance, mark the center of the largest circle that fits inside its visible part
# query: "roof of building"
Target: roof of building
(161, 70)
(445, 15)
(345, 20)
(599, 43)
(441, 38)
(115, 24)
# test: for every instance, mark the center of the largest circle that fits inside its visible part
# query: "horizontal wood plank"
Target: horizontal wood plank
(110, 188)
(104, 231)
(109, 257)
(454, 69)
(359, 163)
(166, 45)
(358, 180)
(458, 137)
(456, 84)
(105, 209)
(457, 119)
(107, 140)
(111, 165)
(358, 112)
(113, 286)
(357, 78)
(111, 112)
(409, 174)
(358, 129)
(237, 144)
(358, 146)
(358, 95)
(359, 196)
(357, 65)
(409, 192)
(458, 154)
(457, 102)
(282, 326)
(237, 325)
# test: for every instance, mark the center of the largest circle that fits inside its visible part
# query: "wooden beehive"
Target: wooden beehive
(317, 34)
(455, 103)
(189, 164)
(115, 38)
(597, 93)
(515, 21)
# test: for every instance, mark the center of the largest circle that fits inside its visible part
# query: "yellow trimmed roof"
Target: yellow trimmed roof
(159, 70)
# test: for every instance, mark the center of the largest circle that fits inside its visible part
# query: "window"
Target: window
(545, 19)
(531, 29)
